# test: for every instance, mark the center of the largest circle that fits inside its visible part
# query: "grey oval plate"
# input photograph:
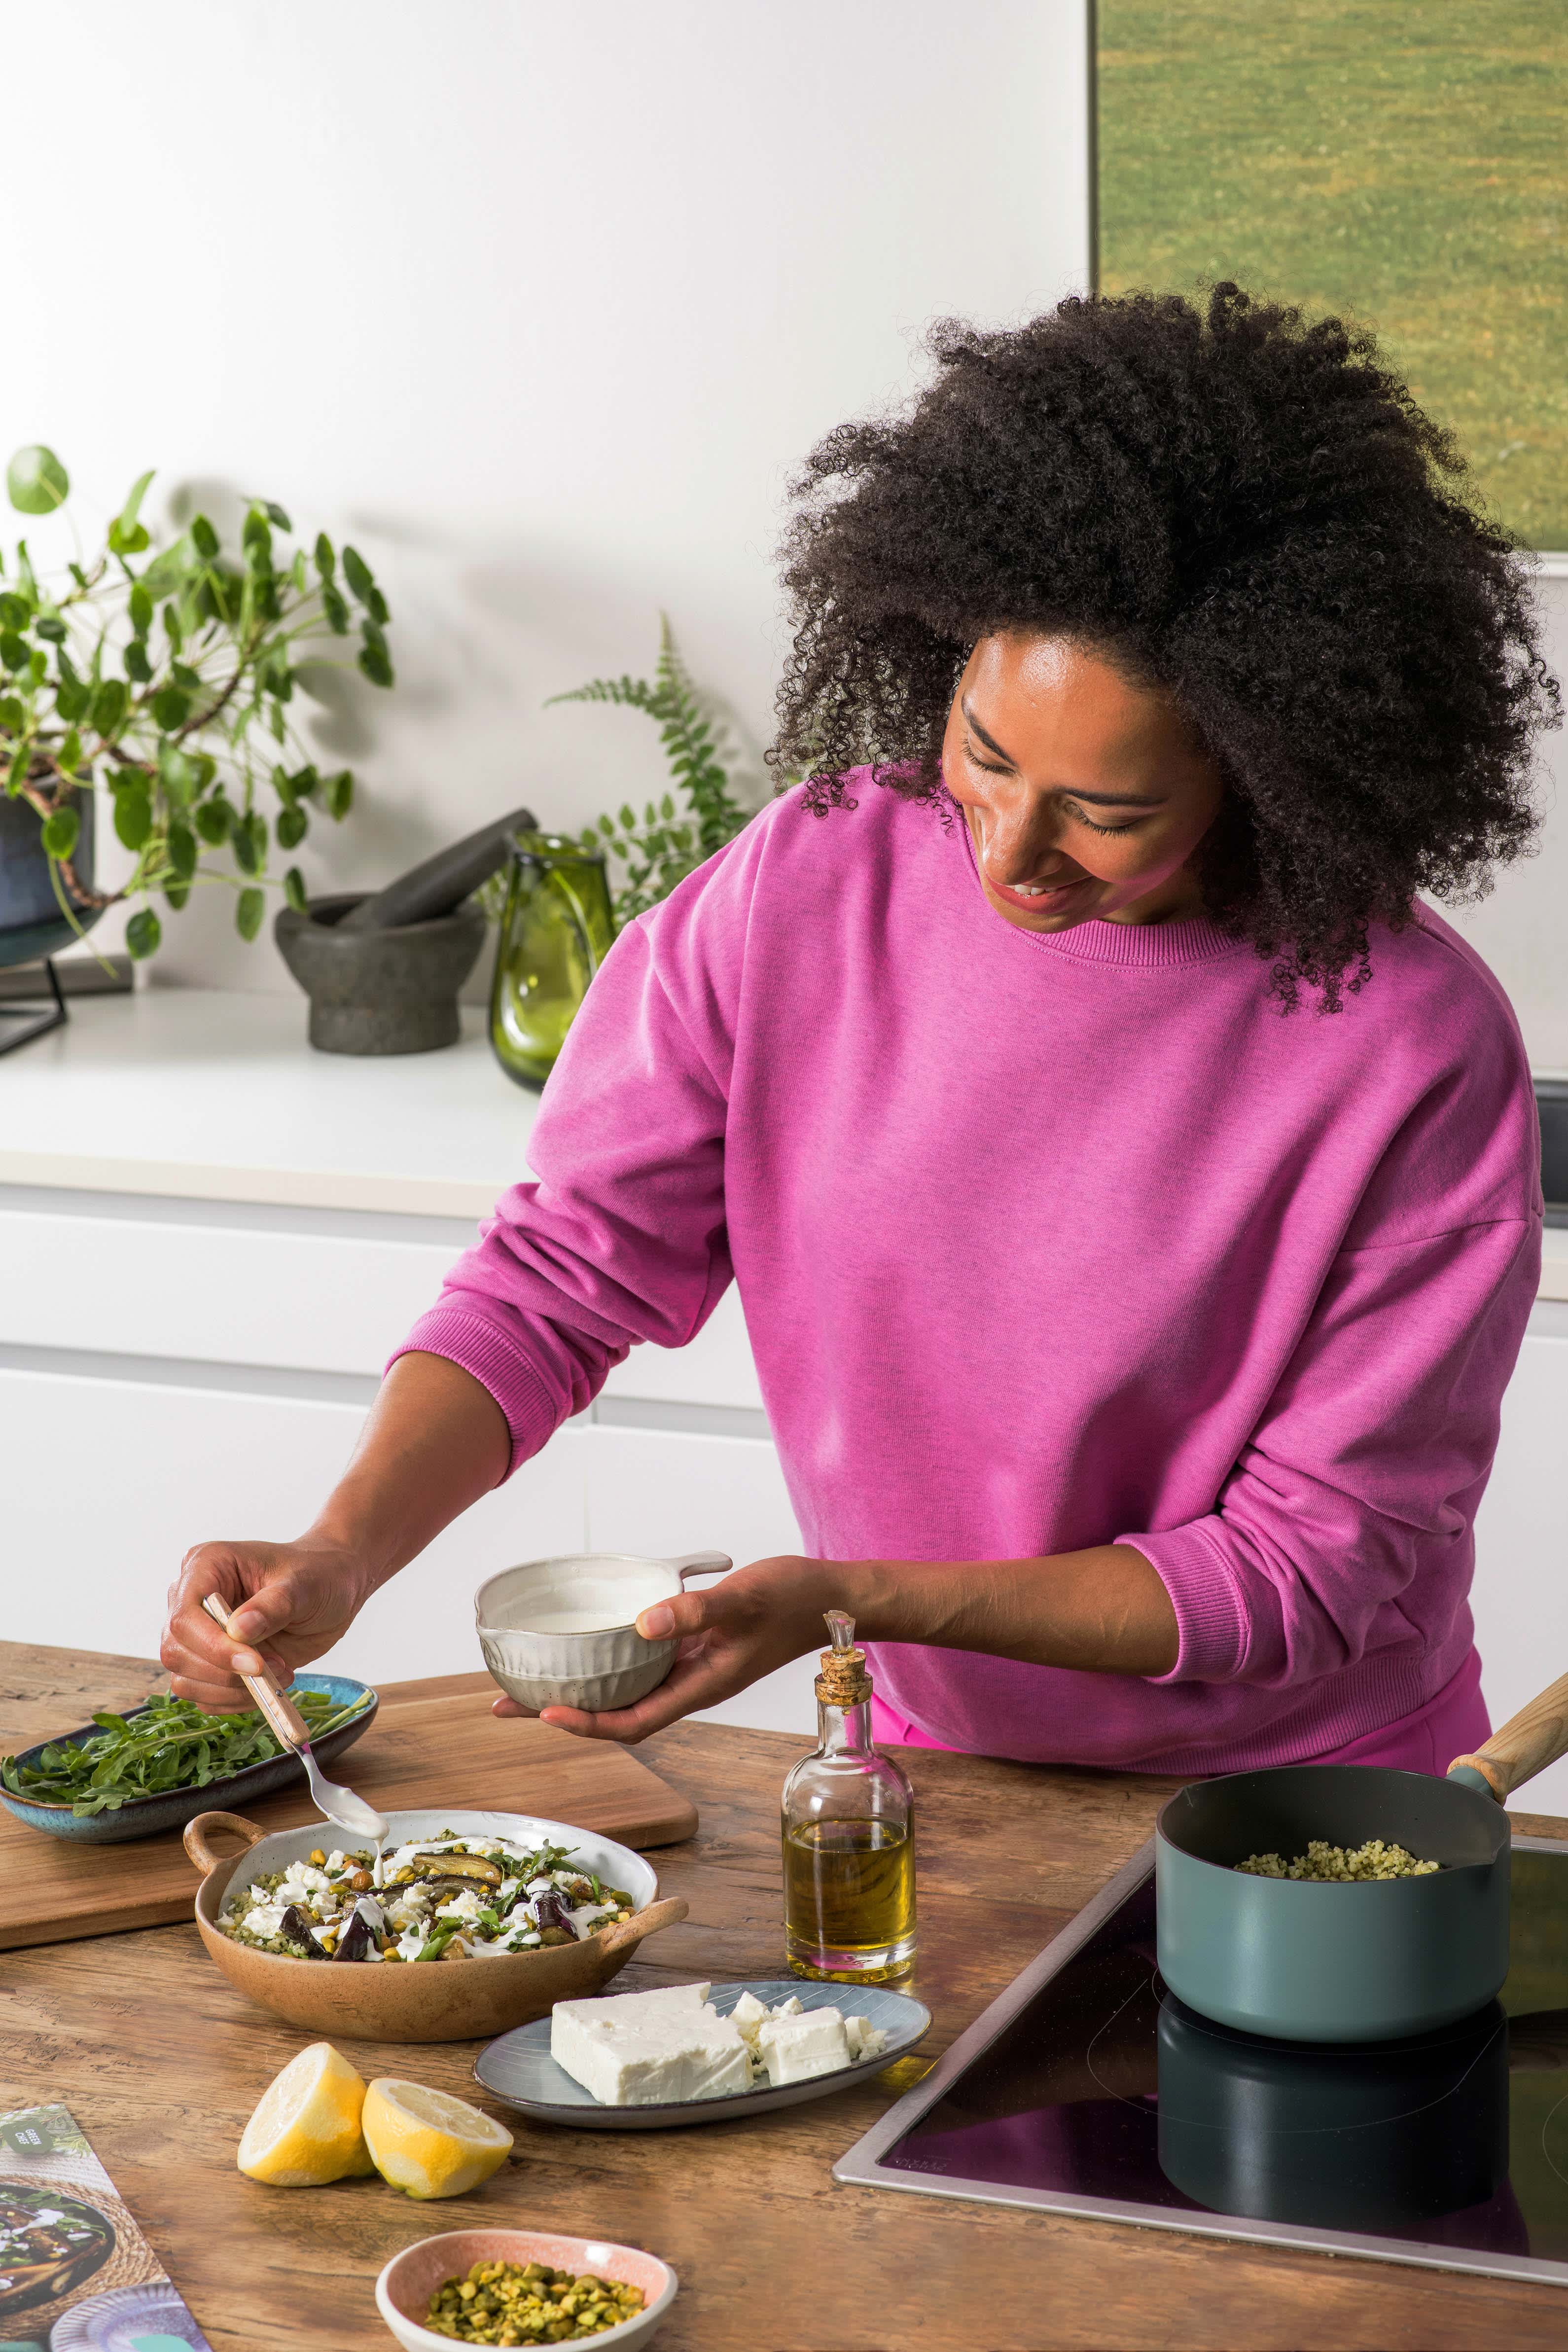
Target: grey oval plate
(519, 2070)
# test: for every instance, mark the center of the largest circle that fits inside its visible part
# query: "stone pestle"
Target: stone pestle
(442, 882)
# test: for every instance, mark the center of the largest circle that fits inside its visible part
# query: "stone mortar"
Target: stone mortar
(385, 991)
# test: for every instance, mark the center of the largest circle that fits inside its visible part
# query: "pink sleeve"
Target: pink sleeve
(621, 1236)
(1361, 1482)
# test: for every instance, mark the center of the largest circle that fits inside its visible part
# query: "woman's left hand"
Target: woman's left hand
(757, 1619)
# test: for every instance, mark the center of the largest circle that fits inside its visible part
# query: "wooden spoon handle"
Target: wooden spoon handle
(643, 1923)
(200, 1829)
(274, 1701)
(1528, 1741)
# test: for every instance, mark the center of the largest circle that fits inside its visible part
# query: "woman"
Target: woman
(1132, 1190)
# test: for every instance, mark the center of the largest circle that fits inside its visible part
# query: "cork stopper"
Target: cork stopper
(843, 1681)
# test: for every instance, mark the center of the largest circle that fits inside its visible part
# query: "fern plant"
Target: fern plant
(673, 836)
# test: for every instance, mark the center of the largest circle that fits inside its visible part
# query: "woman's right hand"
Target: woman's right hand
(288, 1602)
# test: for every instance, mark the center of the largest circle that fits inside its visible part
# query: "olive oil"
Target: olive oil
(848, 1837)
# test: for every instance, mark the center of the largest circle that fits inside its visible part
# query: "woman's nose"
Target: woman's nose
(1019, 843)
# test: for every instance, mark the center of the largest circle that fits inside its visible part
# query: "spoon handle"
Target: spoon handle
(275, 1704)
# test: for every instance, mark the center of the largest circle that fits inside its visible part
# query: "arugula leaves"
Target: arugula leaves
(169, 1743)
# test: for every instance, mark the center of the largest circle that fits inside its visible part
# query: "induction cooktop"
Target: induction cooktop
(1087, 2088)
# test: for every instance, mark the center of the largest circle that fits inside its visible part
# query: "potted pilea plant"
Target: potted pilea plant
(171, 681)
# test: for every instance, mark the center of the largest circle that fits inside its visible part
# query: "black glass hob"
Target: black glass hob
(1087, 2088)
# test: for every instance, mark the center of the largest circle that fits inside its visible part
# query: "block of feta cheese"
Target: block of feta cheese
(793, 2049)
(643, 2049)
(865, 2040)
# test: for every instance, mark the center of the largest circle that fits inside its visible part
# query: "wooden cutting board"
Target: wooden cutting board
(432, 1743)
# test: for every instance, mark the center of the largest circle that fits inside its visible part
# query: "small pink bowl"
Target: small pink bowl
(403, 2290)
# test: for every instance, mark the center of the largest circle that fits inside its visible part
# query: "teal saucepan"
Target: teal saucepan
(1305, 1960)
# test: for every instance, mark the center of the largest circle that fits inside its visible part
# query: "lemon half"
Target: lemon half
(428, 2143)
(306, 2128)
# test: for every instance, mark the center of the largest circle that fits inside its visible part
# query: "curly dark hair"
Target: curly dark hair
(1241, 506)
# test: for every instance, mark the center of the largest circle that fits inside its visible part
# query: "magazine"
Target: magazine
(76, 2274)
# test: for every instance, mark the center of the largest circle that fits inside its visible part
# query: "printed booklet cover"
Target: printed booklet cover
(76, 2274)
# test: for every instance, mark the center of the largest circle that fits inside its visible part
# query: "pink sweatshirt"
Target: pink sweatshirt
(1046, 1243)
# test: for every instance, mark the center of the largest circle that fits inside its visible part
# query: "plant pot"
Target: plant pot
(31, 923)
(387, 992)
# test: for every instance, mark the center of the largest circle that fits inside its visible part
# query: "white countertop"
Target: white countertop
(195, 1095)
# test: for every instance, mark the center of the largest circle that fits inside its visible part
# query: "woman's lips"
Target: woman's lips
(1040, 902)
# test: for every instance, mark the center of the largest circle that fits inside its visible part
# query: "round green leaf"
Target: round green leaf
(248, 913)
(356, 571)
(15, 651)
(60, 831)
(291, 827)
(72, 697)
(133, 816)
(171, 707)
(373, 661)
(178, 773)
(203, 538)
(340, 792)
(276, 515)
(294, 890)
(336, 611)
(109, 705)
(37, 481)
(137, 666)
(144, 932)
(183, 850)
(50, 626)
(140, 609)
(214, 819)
(326, 561)
(176, 894)
(245, 855)
(15, 611)
(13, 713)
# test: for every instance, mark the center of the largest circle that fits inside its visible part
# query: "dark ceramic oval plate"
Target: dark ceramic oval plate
(519, 2070)
(173, 1808)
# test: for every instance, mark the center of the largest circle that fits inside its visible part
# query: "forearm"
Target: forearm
(435, 1441)
(1104, 1611)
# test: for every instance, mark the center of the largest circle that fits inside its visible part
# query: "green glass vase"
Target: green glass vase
(555, 933)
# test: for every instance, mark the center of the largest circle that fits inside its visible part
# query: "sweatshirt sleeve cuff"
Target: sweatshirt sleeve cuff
(1212, 1619)
(475, 1344)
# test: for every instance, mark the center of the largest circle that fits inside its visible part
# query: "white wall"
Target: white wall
(1522, 928)
(540, 305)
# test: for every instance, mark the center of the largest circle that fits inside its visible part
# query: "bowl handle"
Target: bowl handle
(701, 1563)
(197, 1834)
(627, 1932)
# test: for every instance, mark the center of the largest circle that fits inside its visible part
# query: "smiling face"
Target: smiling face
(1085, 794)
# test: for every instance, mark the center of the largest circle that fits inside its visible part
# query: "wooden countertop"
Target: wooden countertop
(162, 2063)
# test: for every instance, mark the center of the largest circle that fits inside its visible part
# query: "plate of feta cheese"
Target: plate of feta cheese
(697, 2053)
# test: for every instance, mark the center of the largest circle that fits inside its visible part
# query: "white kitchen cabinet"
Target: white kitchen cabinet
(1520, 1596)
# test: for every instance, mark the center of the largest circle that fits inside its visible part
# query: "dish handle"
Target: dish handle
(625, 1932)
(197, 1831)
(1528, 1741)
(701, 1563)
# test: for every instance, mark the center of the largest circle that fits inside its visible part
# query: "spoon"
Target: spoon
(340, 1805)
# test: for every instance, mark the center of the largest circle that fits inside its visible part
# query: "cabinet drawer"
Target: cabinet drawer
(211, 1293)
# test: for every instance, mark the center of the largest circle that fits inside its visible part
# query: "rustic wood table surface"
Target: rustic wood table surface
(162, 2063)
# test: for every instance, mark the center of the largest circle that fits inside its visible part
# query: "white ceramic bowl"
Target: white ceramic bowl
(563, 1632)
(403, 2290)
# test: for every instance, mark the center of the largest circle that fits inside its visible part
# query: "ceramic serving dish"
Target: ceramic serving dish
(519, 2070)
(146, 1816)
(449, 2001)
(403, 2290)
(563, 1632)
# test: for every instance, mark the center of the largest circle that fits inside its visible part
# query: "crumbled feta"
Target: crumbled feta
(795, 2048)
(467, 1906)
(865, 2040)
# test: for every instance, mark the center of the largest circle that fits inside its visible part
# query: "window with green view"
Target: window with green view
(1402, 161)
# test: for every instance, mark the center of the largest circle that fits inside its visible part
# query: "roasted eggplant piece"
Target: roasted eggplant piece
(300, 1930)
(357, 1939)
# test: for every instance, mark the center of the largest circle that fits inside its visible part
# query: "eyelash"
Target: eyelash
(991, 769)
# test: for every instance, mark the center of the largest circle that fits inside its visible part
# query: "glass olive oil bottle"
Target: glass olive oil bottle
(848, 1836)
